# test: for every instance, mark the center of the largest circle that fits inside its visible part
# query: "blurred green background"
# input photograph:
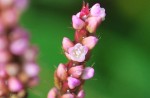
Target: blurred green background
(122, 56)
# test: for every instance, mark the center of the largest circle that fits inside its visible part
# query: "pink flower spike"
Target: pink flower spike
(77, 22)
(81, 94)
(62, 72)
(68, 96)
(73, 82)
(97, 11)
(90, 42)
(14, 84)
(31, 69)
(52, 93)
(88, 73)
(67, 43)
(78, 52)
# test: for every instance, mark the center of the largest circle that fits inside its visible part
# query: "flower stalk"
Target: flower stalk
(18, 68)
(69, 78)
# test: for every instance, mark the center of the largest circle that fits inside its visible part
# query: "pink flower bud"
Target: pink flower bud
(62, 72)
(78, 52)
(77, 22)
(53, 93)
(90, 42)
(66, 43)
(73, 82)
(31, 69)
(81, 94)
(76, 71)
(97, 11)
(92, 24)
(88, 73)
(14, 84)
(68, 96)
(19, 46)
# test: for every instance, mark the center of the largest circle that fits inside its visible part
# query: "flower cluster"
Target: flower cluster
(69, 78)
(18, 68)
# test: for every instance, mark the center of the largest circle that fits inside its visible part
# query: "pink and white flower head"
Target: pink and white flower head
(77, 53)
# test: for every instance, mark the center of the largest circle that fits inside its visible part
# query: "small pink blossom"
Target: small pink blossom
(73, 82)
(88, 73)
(78, 52)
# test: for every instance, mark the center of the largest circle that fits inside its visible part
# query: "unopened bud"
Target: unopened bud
(88, 73)
(67, 43)
(62, 72)
(90, 42)
(73, 82)
(76, 71)
(77, 22)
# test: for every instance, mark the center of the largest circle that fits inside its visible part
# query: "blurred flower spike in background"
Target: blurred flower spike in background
(18, 67)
